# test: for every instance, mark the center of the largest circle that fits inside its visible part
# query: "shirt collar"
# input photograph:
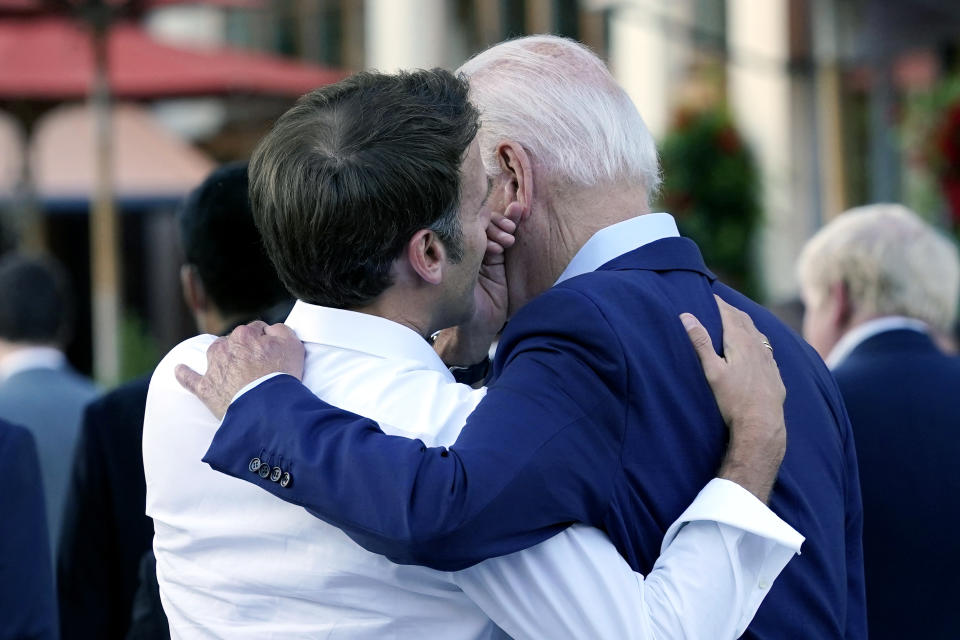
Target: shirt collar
(618, 239)
(361, 332)
(862, 332)
(31, 358)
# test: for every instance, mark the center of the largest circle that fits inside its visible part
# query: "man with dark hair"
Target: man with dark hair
(329, 172)
(373, 203)
(38, 388)
(227, 279)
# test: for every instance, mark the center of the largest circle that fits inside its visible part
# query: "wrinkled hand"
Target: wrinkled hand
(749, 391)
(250, 352)
(469, 342)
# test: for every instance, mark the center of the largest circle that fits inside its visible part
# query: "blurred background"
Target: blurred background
(772, 116)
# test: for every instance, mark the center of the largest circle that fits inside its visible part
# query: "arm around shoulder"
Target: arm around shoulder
(556, 410)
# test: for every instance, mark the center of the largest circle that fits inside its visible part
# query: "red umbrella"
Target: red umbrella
(48, 59)
(19, 6)
(36, 7)
(52, 59)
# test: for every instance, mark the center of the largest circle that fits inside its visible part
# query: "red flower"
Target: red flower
(948, 142)
(728, 140)
(951, 190)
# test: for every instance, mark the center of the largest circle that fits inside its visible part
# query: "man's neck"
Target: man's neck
(8, 349)
(404, 308)
(222, 324)
(580, 212)
(18, 356)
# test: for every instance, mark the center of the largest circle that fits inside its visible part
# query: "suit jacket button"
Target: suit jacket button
(286, 479)
(264, 470)
(275, 474)
(255, 465)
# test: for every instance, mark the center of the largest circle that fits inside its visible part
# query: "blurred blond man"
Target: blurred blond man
(872, 269)
(878, 284)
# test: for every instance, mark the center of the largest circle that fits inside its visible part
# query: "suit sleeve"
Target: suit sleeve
(540, 451)
(27, 604)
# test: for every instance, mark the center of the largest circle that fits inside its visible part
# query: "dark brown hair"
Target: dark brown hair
(219, 238)
(36, 301)
(352, 171)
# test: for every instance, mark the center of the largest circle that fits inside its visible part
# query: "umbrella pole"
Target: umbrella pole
(29, 224)
(104, 262)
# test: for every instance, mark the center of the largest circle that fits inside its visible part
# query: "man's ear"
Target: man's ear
(841, 305)
(194, 295)
(427, 256)
(517, 166)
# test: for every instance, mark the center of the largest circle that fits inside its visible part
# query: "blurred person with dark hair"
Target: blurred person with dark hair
(879, 285)
(227, 277)
(38, 388)
(27, 605)
(227, 280)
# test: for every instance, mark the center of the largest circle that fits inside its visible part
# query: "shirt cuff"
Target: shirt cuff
(255, 383)
(762, 543)
(728, 503)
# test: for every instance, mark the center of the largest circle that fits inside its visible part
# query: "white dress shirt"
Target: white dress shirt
(235, 562)
(862, 332)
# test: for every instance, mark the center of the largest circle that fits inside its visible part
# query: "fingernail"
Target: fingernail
(688, 321)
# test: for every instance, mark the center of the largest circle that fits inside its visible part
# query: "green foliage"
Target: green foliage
(711, 186)
(924, 132)
(139, 353)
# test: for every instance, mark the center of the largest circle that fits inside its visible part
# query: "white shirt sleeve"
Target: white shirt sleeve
(717, 563)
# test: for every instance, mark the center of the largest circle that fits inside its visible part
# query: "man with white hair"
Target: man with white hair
(596, 412)
(877, 283)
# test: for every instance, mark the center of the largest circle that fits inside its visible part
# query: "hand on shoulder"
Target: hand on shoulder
(750, 394)
(250, 352)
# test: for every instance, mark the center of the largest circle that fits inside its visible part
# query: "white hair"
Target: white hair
(891, 261)
(556, 98)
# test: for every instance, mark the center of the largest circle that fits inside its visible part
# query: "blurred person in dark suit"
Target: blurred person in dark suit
(38, 388)
(879, 284)
(27, 606)
(226, 280)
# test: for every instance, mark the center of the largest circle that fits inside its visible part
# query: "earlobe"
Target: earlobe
(843, 308)
(516, 164)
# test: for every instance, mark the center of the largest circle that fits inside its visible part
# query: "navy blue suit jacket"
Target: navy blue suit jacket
(28, 609)
(105, 529)
(599, 413)
(903, 397)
